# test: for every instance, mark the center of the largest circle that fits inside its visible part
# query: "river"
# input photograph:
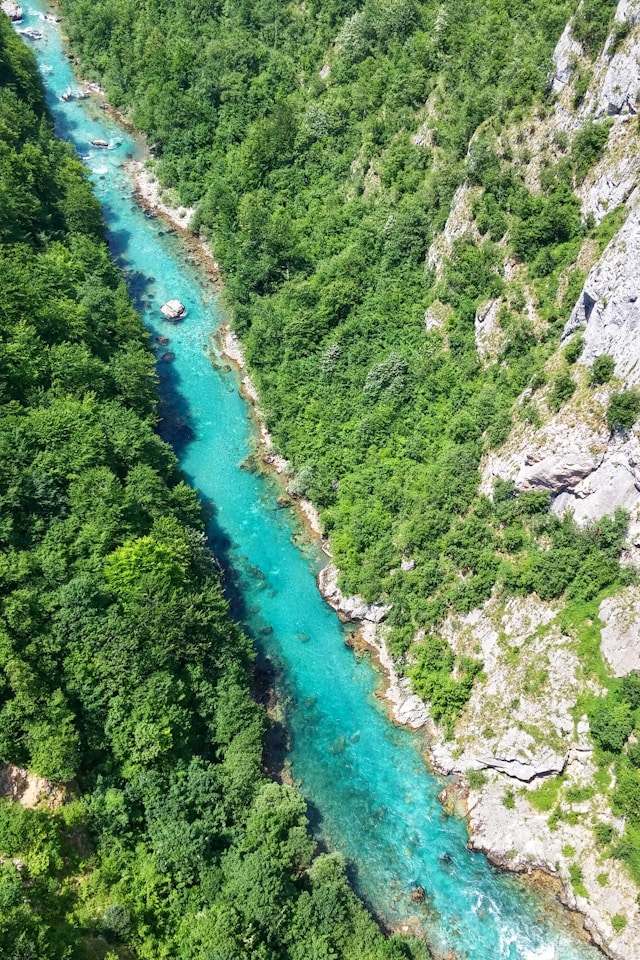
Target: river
(370, 794)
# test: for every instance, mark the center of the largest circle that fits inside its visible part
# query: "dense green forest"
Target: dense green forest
(122, 675)
(293, 128)
(322, 144)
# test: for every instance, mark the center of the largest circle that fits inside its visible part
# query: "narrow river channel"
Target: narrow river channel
(370, 794)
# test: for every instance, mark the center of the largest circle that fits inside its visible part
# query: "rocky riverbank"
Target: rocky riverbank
(509, 764)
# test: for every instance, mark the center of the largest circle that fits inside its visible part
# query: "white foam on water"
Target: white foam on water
(544, 953)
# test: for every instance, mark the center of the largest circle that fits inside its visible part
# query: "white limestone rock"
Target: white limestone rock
(460, 223)
(608, 306)
(612, 181)
(620, 637)
(487, 329)
(557, 457)
(618, 83)
(614, 484)
(566, 51)
(348, 608)
(12, 10)
(518, 757)
(173, 310)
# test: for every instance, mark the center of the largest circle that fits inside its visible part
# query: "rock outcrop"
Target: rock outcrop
(608, 307)
(564, 57)
(487, 328)
(12, 10)
(620, 637)
(460, 223)
(405, 706)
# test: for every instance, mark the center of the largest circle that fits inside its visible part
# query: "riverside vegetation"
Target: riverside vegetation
(121, 672)
(321, 209)
(322, 144)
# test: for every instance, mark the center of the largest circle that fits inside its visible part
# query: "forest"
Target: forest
(122, 676)
(322, 145)
(295, 131)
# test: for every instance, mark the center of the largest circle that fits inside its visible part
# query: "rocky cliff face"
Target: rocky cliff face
(521, 733)
(589, 469)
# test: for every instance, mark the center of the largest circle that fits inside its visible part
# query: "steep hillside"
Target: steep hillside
(427, 216)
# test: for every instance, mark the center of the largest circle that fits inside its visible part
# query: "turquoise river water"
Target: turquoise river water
(369, 791)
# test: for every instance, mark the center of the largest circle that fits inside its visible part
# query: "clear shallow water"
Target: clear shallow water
(370, 794)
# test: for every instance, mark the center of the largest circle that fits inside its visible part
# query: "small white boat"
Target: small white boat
(173, 310)
(100, 143)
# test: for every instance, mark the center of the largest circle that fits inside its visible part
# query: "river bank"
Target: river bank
(504, 834)
(516, 839)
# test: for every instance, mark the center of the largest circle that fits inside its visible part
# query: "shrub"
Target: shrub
(561, 390)
(577, 880)
(618, 922)
(633, 753)
(476, 779)
(611, 723)
(604, 833)
(115, 921)
(588, 146)
(602, 369)
(574, 348)
(624, 409)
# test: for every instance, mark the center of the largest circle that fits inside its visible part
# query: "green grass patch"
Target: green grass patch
(546, 795)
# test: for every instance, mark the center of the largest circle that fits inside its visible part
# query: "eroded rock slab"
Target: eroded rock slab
(620, 637)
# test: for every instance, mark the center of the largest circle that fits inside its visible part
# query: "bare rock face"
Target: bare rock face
(567, 49)
(459, 223)
(520, 765)
(614, 483)
(617, 91)
(555, 458)
(348, 608)
(523, 652)
(12, 10)
(620, 638)
(608, 306)
(611, 181)
(487, 328)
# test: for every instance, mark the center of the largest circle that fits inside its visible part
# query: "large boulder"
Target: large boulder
(12, 10)
(173, 310)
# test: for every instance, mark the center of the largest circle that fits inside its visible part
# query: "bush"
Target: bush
(604, 833)
(574, 348)
(611, 723)
(561, 390)
(115, 922)
(588, 146)
(602, 369)
(476, 779)
(624, 409)
(618, 922)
